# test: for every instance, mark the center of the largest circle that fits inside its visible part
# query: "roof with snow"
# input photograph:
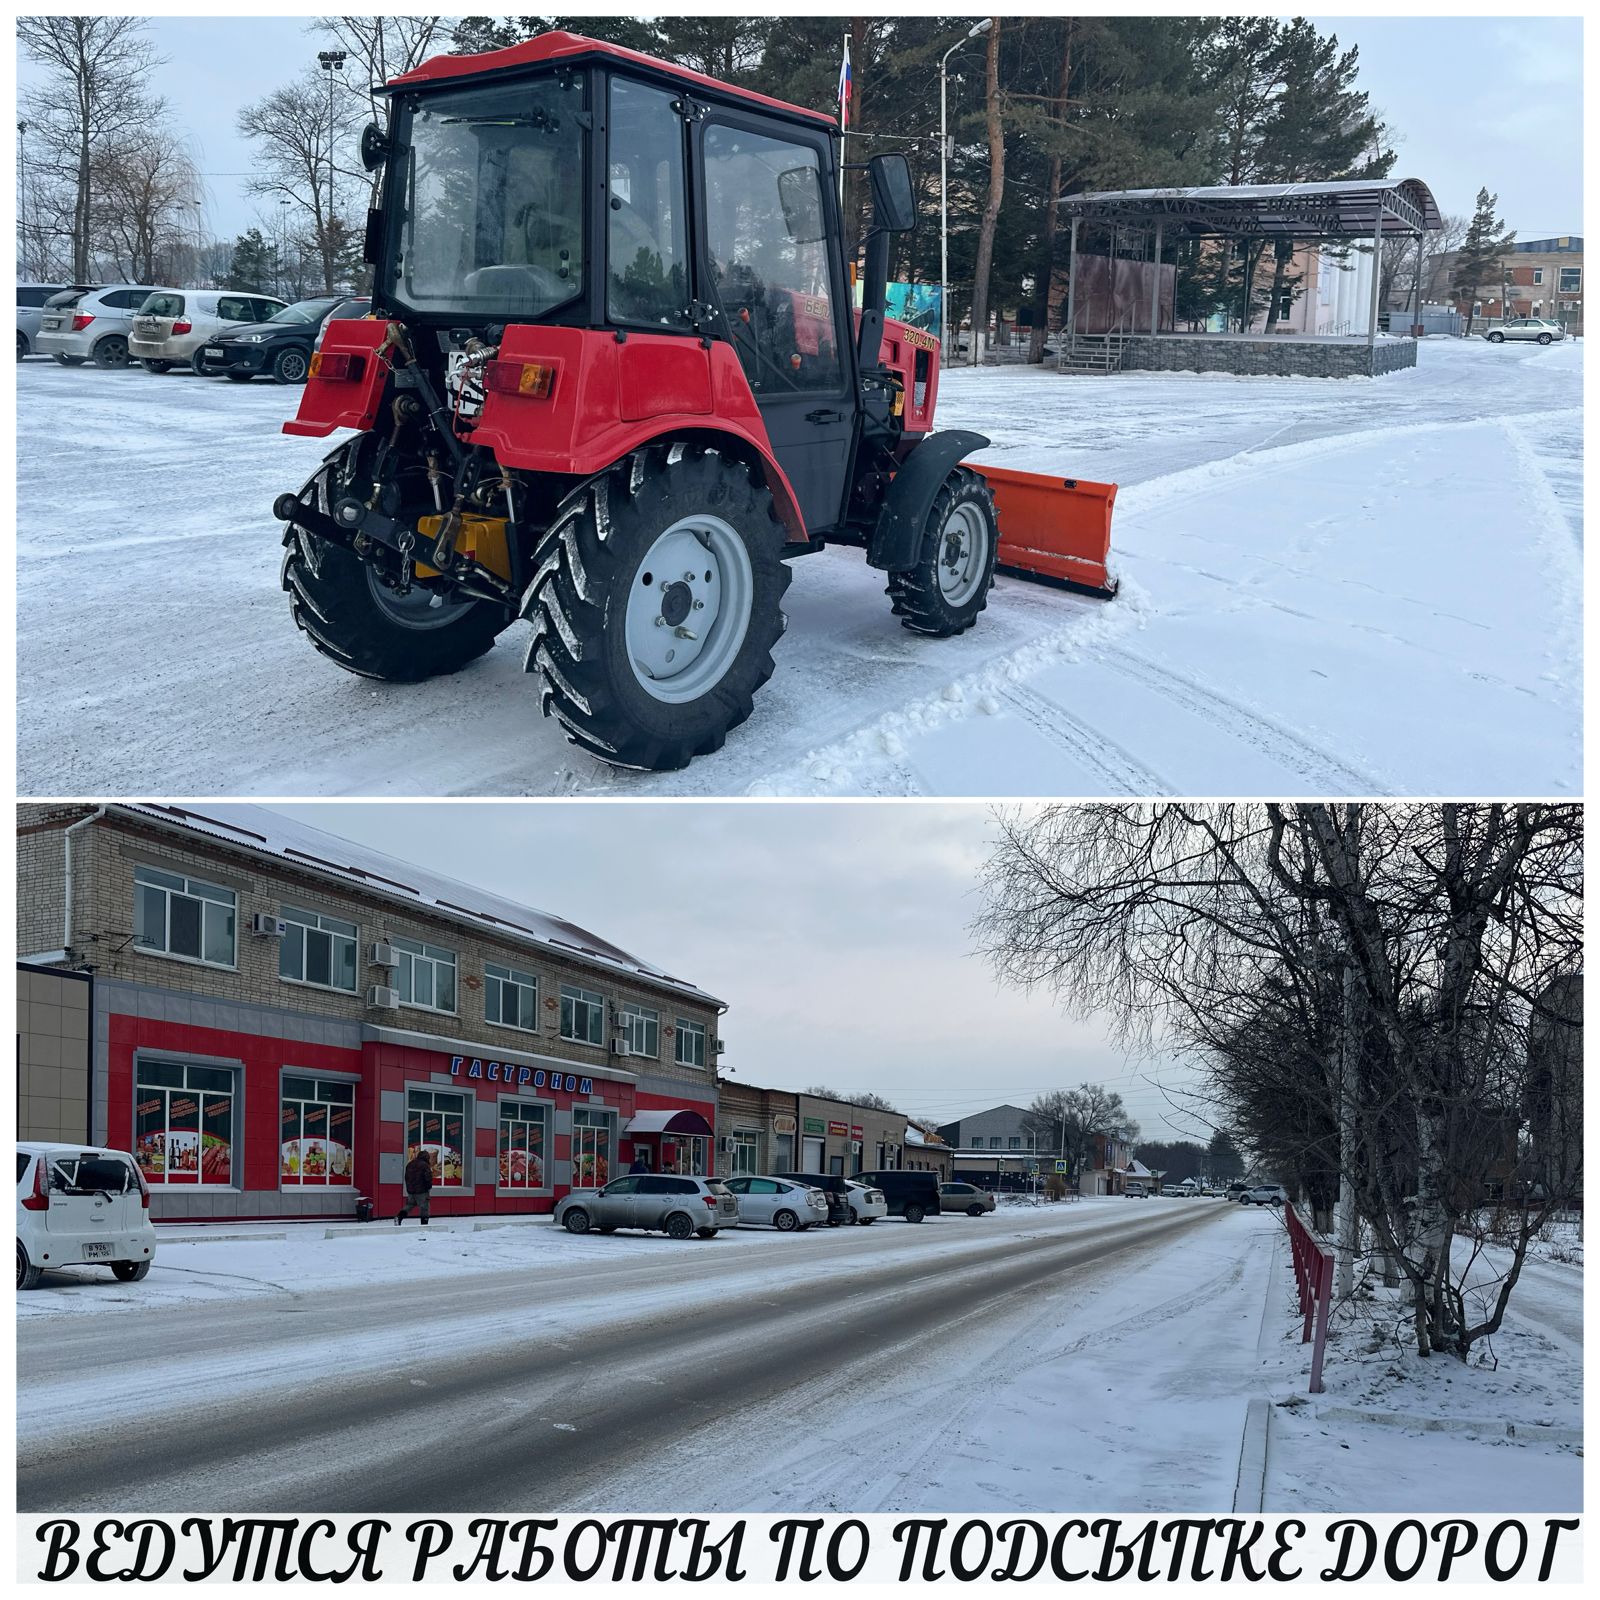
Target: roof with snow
(260, 831)
(1346, 208)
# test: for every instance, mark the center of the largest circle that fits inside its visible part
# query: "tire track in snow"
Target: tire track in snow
(1122, 771)
(1325, 773)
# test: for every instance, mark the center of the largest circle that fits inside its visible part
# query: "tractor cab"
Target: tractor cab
(612, 382)
(566, 183)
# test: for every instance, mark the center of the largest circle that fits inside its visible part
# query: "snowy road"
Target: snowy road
(770, 1376)
(1330, 587)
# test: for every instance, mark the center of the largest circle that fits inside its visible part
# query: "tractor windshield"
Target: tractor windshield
(492, 202)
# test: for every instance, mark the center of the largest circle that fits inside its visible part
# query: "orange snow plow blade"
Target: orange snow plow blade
(1053, 530)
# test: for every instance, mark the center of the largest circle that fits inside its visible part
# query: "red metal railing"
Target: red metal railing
(1313, 1278)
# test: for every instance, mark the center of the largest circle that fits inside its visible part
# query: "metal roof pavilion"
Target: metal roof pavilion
(1347, 208)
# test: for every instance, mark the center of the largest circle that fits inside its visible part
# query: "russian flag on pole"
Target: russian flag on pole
(844, 85)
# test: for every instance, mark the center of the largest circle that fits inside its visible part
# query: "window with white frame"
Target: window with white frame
(524, 1144)
(318, 950)
(690, 1043)
(745, 1157)
(437, 1127)
(1571, 280)
(1538, 274)
(593, 1133)
(641, 1027)
(317, 1131)
(425, 975)
(510, 997)
(176, 915)
(583, 1015)
(183, 1122)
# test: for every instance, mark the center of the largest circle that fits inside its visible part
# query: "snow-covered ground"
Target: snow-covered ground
(1361, 586)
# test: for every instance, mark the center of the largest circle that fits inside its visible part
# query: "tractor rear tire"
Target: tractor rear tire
(359, 624)
(947, 588)
(603, 616)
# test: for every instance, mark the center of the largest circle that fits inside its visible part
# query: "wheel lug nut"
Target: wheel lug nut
(688, 577)
(699, 605)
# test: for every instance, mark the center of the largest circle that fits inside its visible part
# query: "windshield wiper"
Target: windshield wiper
(532, 119)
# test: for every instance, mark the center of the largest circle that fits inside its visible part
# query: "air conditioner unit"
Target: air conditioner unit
(725, 1145)
(855, 1147)
(383, 954)
(620, 1046)
(720, 1046)
(383, 998)
(268, 926)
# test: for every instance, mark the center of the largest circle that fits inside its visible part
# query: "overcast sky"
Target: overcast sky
(837, 933)
(1473, 101)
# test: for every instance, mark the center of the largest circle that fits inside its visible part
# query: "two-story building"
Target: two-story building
(281, 1018)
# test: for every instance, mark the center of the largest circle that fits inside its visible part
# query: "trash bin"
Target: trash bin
(364, 1209)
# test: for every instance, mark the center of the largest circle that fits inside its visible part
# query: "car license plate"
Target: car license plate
(97, 1252)
(212, 353)
(51, 323)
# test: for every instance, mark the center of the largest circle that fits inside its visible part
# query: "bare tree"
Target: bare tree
(95, 95)
(145, 187)
(997, 190)
(1067, 1120)
(295, 129)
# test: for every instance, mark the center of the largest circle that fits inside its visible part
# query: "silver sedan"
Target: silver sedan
(678, 1207)
(778, 1203)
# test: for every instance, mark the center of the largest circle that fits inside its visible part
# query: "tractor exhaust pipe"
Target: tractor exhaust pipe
(874, 299)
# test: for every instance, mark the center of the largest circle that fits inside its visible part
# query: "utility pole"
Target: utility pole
(331, 61)
(22, 194)
(979, 27)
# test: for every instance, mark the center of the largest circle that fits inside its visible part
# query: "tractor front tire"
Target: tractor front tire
(357, 622)
(947, 588)
(656, 601)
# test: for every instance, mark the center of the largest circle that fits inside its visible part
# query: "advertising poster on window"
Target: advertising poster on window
(521, 1155)
(183, 1139)
(341, 1156)
(442, 1143)
(216, 1140)
(150, 1137)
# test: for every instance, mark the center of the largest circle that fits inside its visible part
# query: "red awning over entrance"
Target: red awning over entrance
(680, 1121)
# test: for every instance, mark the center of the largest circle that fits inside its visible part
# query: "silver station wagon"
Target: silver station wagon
(677, 1207)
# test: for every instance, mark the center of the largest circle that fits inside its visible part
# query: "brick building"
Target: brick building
(281, 1017)
(1538, 278)
(783, 1130)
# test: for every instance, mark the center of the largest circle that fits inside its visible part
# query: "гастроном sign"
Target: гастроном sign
(505, 1072)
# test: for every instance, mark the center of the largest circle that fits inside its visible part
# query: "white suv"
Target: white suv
(81, 1206)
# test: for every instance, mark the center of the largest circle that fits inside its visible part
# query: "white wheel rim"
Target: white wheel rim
(963, 554)
(689, 608)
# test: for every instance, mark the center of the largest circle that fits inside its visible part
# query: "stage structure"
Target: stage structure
(1144, 225)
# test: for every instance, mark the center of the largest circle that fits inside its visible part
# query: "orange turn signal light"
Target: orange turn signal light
(337, 368)
(530, 379)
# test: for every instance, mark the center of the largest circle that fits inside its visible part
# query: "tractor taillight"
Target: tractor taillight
(337, 368)
(530, 379)
(81, 320)
(183, 325)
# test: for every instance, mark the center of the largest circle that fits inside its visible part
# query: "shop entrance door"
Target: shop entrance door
(811, 1155)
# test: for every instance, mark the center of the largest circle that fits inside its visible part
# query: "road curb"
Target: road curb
(1250, 1486)
(1532, 1432)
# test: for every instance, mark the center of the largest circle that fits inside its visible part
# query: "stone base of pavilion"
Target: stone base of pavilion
(1282, 355)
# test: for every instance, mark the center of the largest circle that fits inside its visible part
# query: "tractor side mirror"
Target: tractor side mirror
(374, 146)
(893, 200)
(802, 204)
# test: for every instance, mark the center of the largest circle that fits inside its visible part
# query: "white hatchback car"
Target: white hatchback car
(172, 324)
(78, 1205)
(866, 1203)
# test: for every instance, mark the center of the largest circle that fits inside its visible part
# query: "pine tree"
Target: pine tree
(1478, 260)
(254, 267)
(1223, 1158)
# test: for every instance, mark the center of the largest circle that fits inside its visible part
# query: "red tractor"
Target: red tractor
(612, 382)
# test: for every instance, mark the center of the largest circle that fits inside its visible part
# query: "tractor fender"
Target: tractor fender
(896, 542)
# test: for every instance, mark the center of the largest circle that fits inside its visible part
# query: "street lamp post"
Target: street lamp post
(284, 202)
(331, 61)
(22, 193)
(981, 26)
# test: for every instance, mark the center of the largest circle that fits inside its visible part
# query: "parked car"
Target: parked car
(81, 325)
(80, 1205)
(31, 298)
(1535, 328)
(833, 1186)
(866, 1203)
(779, 1203)
(172, 324)
(1263, 1194)
(1135, 1191)
(966, 1197)
(348, 310)
(280, 347)
(912, 1195)
(678, 1207)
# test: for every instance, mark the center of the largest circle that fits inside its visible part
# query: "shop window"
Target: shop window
(524, 1144)
(690, 1045)
(317, 1132)
(175, 915)
(426, 975)
(688, 1153)
(510, 997)
(183, 1123)
(318, 950)
(583, 1015)
(593, 1137)
(641, 1027)
(836, 1166)
(437, 1125)
(746, 1153)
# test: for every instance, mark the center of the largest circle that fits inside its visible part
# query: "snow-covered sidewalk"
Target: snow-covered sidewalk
(1365, 586)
